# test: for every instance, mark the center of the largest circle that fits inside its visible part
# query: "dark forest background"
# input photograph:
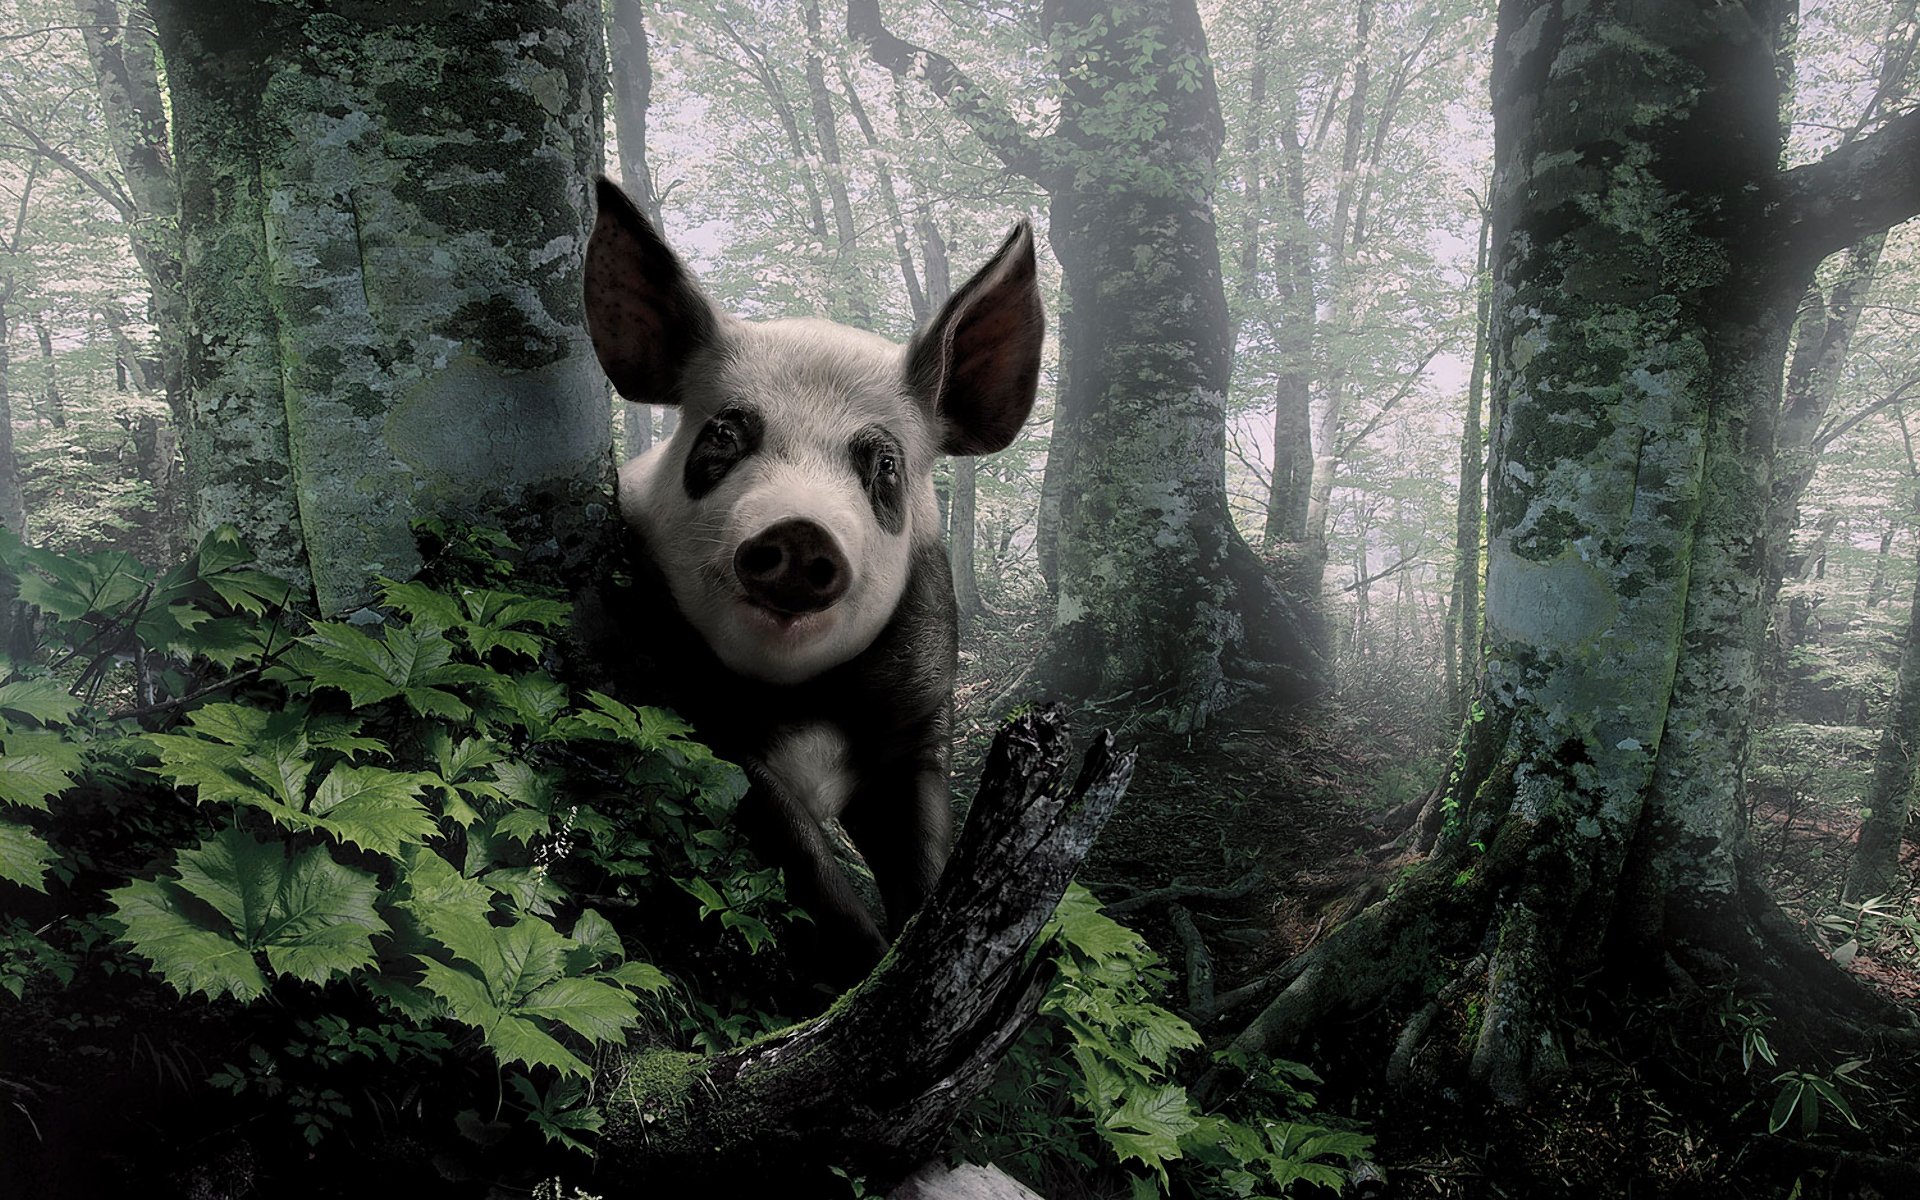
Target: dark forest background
(1472, 462)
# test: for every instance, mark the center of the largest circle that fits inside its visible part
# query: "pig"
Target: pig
(793, 595)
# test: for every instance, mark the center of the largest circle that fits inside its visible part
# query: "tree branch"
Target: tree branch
(872, 1085)
(1861, 188)
(989, 121)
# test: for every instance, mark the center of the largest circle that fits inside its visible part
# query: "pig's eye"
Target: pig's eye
(876, 458)
(721, 444)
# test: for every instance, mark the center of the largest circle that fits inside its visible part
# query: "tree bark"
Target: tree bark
(1591, 826)
(1158, 596)
(1876, 860)
(1463, 624)
(873, 1084)
(1294, 339)
(384, 312)
(631, 68)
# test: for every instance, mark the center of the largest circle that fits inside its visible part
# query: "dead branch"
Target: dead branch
(872, 1085)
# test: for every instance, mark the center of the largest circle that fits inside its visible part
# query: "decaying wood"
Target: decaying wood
(871, 1086)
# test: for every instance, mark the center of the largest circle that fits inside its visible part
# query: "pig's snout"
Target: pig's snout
(792, 567)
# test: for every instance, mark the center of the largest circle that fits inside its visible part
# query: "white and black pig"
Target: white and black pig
(796, 603)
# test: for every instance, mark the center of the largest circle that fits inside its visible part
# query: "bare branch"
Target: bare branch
(989, 120)
(1861, 188)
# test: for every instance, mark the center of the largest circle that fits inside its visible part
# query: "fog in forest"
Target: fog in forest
(1405, 682)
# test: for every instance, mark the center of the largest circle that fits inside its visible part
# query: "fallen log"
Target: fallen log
(870, 1086)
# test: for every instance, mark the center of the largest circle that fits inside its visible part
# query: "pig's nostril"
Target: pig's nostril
(760, 559)
(792, 567)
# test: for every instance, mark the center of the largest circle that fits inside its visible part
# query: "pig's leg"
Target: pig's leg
(901, 820)
(785, 834)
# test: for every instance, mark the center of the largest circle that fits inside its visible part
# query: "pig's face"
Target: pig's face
(785, 509)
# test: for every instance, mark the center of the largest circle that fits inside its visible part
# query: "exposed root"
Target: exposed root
(1517, 1043)
(1414, 1033)
(1237, 890)
(1200, 1001)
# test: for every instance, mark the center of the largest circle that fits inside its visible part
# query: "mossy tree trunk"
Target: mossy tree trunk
(383, 217)
(1158, 597)
(1592, 824)
(1876, 860)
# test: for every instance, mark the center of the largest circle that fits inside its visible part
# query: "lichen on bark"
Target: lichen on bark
(385, 216)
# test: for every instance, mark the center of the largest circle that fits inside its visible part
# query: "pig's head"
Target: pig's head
(785, 510)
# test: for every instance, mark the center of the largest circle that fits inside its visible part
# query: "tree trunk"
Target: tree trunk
(384, 312)
(1876, 861)
(1592, 821)
(631, 68)
(1326, 429)
(53, 405)
(1158, 596)
(852, 300)
(1463, 625)
(1294, 339)
(126, 68)
(874, 1083)
(13, 506)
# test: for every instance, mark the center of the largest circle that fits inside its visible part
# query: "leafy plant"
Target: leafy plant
(1807, 1092)
(1093, 1084)
(404, 807)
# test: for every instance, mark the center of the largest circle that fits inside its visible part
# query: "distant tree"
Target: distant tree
(384, 311)
(1876, 860)
(630, 63)
(1157, 592)
(1649, 256)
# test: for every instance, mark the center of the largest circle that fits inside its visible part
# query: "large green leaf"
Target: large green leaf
(23, 856)
(453, 910)
(28, 780)
(235, 895)
(45, 700)
(186, 953)
(597, 1011)
(374, 808)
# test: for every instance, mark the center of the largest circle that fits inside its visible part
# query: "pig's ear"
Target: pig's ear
(644, 311)
(977, 365)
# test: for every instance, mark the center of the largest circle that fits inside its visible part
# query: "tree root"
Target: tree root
(1414, 1033)
(1177, 892)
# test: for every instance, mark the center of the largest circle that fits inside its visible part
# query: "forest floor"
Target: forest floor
(1290, 823)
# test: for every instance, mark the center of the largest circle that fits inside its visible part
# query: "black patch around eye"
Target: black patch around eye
(729, 436)
(881, 464)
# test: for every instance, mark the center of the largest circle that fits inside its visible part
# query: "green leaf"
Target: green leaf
(30, 780)
(1783, 1107)
(322, 920)
(1148, 1126)
(594, 934)
(519, 1040)
(453, 910)
(596, 1011)
(374, 808)
(1080, 924)
(45, 700)
(532, 953)
(640, 976)
(188, 955)
(313, 917)
(23, 856)
(466, 997)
